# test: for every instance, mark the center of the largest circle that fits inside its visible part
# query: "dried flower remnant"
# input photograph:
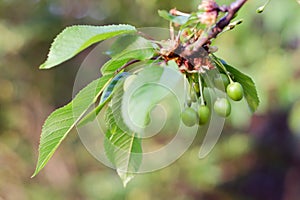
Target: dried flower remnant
(210, 14)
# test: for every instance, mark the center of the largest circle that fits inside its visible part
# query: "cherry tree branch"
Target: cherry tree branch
(232, 9)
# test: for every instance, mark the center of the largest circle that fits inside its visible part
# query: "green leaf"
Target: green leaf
(126, 48)
(248, 86)
(105, 98)
(122, 146)
(193, 22)
(146, 94)
(62, 120)
(75, 39)
(111, 86)
(151, 86)
(173, 65)
(113, 64)
(128, 43)
(175, 19)
(93, 114)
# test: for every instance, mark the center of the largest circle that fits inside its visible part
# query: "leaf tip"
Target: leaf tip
(42, 66)
(126, 177)
(34, 173)
(47, 65)
(125, 182)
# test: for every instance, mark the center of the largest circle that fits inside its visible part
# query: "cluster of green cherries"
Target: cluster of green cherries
(221, 106)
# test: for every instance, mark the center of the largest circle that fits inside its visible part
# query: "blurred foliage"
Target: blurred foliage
(260, 161)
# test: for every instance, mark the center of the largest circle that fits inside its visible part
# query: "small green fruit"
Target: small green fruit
(203, 113)
(235, 91)
(189, 117)
(222, 107)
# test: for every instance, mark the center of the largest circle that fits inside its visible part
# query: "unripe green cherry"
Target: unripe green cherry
(235, 91)
(203, 114)
(222, 107)
(128, 81)
(221, 81)
(189, 117)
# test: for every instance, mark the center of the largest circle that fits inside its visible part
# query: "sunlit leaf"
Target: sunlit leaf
(75, 39)
(130, 43)
(126, 48)
(62, 120)
(122, 146)
(150, 87)
(105, 98)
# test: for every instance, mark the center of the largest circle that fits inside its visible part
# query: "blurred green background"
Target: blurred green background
(257, 157)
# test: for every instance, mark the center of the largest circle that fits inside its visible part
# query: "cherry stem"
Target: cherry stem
(201, 89)
(223, 67)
